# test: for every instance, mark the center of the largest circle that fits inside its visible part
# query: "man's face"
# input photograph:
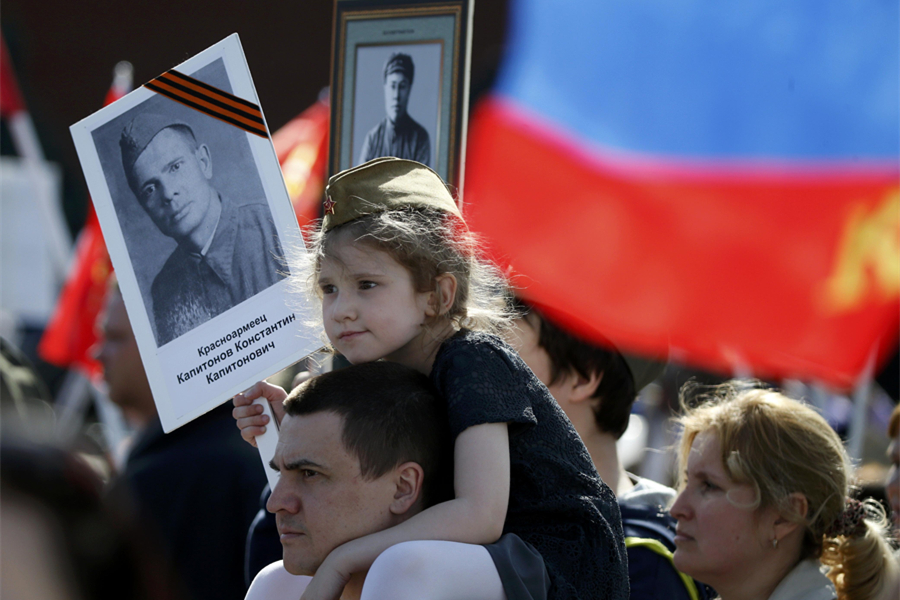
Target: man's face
(396, 95)
(171, 179)
(123, 370)
(322, 500)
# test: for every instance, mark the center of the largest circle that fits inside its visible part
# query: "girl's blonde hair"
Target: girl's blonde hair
(428, 242)
(781, 447)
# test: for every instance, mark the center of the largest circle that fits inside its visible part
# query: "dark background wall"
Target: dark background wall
(64, 53)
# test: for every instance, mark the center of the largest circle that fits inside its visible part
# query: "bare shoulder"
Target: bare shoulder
(274, 583)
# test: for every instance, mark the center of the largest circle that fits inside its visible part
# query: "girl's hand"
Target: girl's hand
(328, 583)
(250, 418)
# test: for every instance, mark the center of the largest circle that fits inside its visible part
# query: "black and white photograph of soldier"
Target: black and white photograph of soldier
(211, 242)
(407, 88)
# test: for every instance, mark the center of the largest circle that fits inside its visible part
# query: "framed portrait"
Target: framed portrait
(400, 83)
(198, 224)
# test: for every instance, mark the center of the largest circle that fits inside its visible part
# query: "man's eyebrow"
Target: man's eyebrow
(174, 160)
(297, 465)
(155, 178)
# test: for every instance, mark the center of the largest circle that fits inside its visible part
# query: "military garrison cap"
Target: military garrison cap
(400, 63)
(138, 134)
(384, 184)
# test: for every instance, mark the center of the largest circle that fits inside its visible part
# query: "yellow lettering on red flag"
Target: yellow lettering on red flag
(868, 260)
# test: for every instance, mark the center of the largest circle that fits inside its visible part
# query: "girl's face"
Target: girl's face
(370, 308)
(719, 538)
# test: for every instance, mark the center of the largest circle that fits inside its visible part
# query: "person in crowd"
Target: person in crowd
(892, 485)
(124, 377)
(25, 401)
(59, 538)
(196, 487)
(596, 386)
(399, 278)
(398, 134)
(764, 510)
(359, 450)
(228, 248)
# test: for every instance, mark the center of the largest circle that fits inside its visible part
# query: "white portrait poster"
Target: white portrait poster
(197, 221)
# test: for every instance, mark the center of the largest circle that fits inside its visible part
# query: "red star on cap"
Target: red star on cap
(329, 206)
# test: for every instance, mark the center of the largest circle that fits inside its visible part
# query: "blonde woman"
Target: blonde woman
(763, 512)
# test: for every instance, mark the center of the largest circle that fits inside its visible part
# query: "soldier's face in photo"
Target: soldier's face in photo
(396, 95)
(173, 182)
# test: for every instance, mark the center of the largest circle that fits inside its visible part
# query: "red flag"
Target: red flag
(71, 332)
(670, 180)
(787, 277)
(302, 149)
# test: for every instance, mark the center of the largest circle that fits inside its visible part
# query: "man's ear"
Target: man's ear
(443, 295)
(409, 478)
(205, 160)
(584, 388)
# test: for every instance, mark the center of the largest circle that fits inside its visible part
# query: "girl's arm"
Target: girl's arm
(475, 516)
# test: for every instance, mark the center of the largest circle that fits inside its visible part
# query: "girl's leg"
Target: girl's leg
(435, 570)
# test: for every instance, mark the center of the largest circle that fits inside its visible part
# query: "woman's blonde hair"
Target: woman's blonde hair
(782, 447)
(428, 242)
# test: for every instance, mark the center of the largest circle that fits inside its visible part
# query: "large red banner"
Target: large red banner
(773, 272)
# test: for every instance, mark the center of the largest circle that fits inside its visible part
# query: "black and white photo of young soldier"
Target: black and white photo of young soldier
(228, 248)
(397, 134)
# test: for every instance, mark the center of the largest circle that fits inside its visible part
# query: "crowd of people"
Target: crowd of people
(468, 451)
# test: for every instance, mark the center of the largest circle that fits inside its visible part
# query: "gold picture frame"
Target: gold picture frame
(428, 43)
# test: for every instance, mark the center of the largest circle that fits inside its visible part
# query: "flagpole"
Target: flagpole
(78, 388)
(28, 146)
(861, 394)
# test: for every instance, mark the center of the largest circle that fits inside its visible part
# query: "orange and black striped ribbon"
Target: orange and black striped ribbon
(209, 100)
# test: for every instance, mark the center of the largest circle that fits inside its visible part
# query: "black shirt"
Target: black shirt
(557, 502)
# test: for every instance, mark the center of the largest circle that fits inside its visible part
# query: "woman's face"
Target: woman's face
(719, 536)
